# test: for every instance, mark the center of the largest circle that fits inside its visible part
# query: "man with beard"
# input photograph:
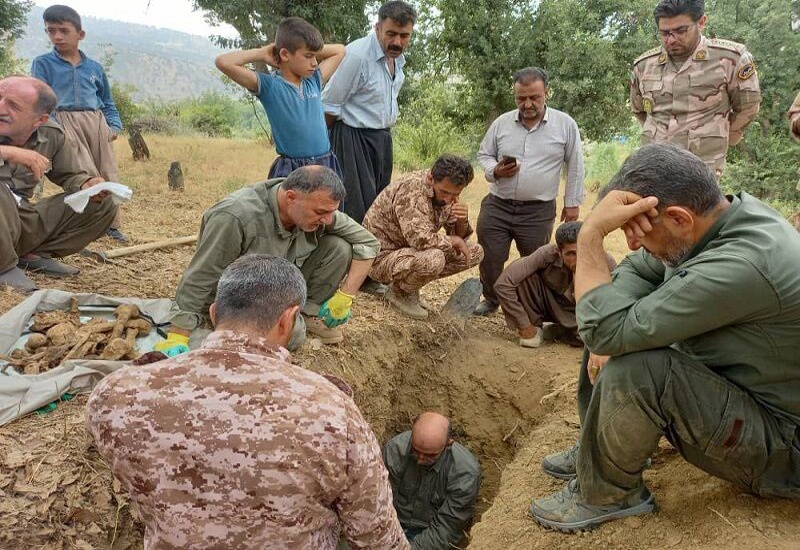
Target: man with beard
(407, 218)
(523, 155)
(696, 92)
(702, 324)
(435, 482)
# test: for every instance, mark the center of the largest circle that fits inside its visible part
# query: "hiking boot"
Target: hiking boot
(485, 308)
(566, 511)
(406, 303)
(562, 465)
(326, 335)
(48, 266)
(534, 341)
(373, 287)
(117, 235)
(16, 279)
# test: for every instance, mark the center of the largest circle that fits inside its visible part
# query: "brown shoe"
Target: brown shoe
(406, 303)
(326, 335)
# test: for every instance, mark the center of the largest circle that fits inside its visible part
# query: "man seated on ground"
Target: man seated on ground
(33, 235)
(541, 287)
(407, 217)
(702, 323)
(294, 218)
(232, 446)
(435, 482)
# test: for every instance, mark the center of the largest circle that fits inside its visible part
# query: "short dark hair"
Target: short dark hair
(673, 175)
(293, 33)
(695, 9)
(256, 289)
(58, 13)
(308, 179)
(400, 12)
(567, 233)
(457, 169)
(529, 75)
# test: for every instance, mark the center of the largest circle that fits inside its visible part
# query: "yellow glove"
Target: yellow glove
(336, 310)
(175, 344)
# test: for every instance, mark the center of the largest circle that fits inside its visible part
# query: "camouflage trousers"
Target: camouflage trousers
(410, 269)
(713, 423)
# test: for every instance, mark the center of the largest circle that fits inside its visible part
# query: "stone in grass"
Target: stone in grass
(463, 301)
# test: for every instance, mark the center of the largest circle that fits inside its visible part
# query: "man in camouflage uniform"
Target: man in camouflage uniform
(435, 482)
(31, 235)
(233, 447)
(794, 118)
(407, 217)
(695, 92)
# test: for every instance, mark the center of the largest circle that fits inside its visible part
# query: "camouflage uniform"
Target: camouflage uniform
(794, 114)
(233, 447)
(407, 224)
(703, 106)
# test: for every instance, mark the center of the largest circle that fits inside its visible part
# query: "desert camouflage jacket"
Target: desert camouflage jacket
(404, 216)
(703, 106)
(233, 447)
(794, 114)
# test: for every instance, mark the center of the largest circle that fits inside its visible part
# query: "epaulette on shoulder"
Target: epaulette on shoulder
(727, 45)
(52, 125)
(648, 53)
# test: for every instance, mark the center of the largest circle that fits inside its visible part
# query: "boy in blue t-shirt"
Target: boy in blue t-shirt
(291, 96)
(86, 110)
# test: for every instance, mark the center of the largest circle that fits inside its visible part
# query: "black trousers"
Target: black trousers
(528, 223)
(365, 156)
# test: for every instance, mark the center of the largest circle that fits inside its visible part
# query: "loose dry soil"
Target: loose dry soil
(510, 406)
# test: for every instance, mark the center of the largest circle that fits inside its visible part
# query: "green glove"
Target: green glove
(337, 309)
(175, 344)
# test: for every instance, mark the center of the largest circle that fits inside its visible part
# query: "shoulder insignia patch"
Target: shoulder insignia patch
(702, 55)
(746, 71)
(648, 53)
(647, 105)
(662, 59)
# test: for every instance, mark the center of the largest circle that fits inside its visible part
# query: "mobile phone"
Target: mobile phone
(506, 160)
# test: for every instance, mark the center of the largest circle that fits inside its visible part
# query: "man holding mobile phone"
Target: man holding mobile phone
(523, 155)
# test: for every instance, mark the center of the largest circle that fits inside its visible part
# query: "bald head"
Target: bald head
(430, 435)
(25, 104)
(44, 98)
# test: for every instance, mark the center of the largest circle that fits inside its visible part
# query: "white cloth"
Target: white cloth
(119, 194)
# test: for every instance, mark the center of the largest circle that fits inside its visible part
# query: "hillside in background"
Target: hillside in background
(159, 63)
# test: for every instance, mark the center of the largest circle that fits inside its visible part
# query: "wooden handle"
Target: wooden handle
(166, 243)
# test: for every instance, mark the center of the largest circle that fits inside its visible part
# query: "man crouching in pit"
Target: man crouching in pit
(702, 323)
(232, 447)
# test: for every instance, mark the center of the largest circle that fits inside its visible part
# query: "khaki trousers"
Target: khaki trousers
(713, 423)
(48, 228)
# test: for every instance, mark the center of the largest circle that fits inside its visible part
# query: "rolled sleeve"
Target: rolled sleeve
(365, 245)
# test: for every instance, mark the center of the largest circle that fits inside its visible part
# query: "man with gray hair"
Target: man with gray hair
(294, 218)
(32, 236)
(232, 446)
(523, 155)
(701, 323)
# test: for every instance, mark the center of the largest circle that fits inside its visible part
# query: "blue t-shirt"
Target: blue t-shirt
(295, 115)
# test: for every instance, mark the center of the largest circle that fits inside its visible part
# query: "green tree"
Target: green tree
(256, 20)
(12, 25)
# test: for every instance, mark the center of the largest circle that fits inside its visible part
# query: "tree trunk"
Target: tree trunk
(175, 177)
(137, 143)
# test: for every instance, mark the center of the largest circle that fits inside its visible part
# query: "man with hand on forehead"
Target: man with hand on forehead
(691, 360)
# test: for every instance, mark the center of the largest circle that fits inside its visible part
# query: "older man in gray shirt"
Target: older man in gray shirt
(523, 155)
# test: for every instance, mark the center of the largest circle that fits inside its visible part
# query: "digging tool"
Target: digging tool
(107, 257)
(462, 301)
